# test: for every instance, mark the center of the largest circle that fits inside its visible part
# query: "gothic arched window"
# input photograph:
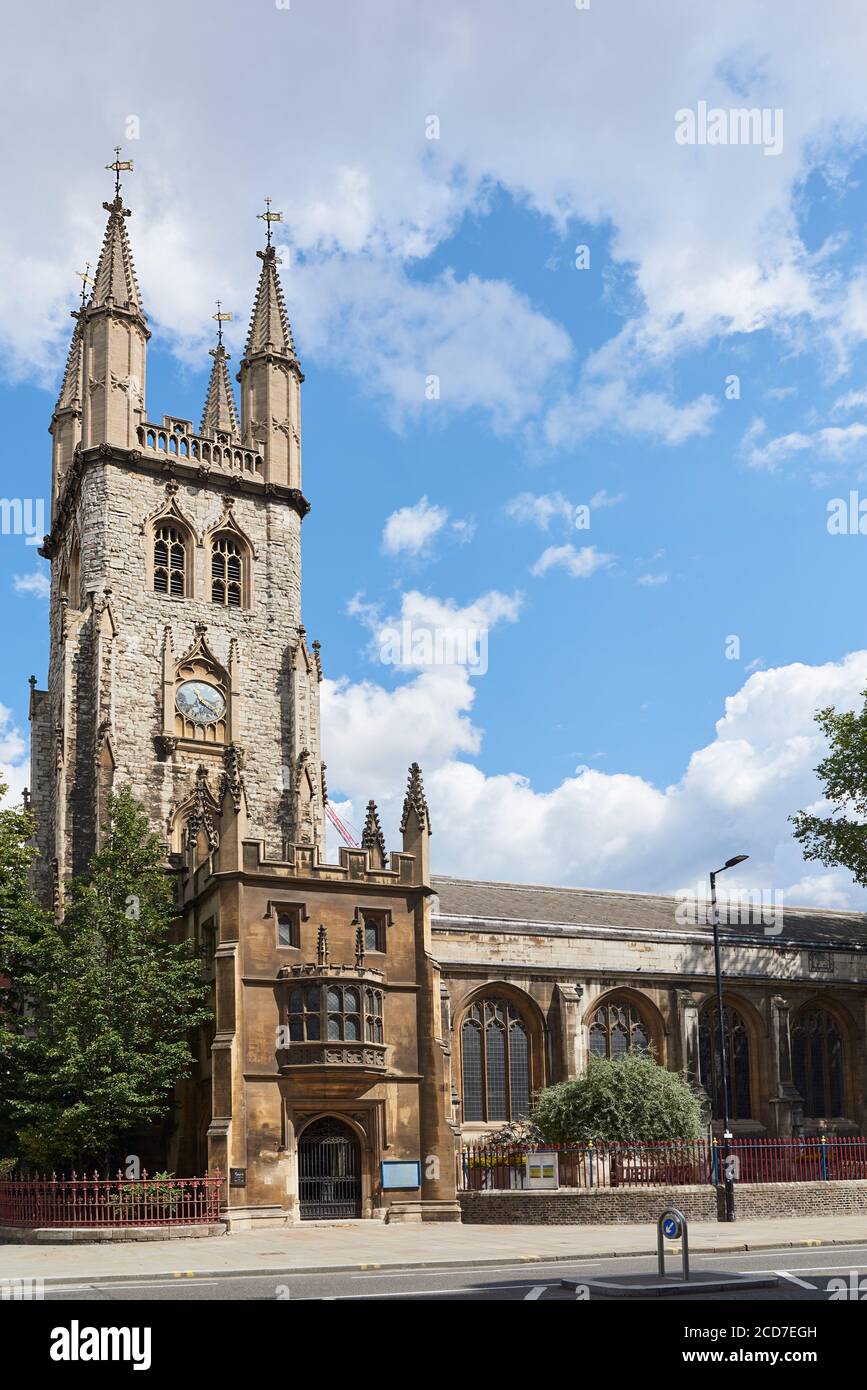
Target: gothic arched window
(170, 561)
(817, 1063)
(496, 1062)
(228, 572)
(373, 1015)
(344, 1013)
(737, 1044)
(617, 1028)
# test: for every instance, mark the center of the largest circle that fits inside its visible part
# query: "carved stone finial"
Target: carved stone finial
(322, 946)
(359, 947)
(372, 836)
(415, 801)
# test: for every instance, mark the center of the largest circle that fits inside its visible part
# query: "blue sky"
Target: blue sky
(591, 751)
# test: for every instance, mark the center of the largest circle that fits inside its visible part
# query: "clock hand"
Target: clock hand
(215, 709)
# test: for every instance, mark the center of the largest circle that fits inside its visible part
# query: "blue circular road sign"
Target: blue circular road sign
(671, 1228)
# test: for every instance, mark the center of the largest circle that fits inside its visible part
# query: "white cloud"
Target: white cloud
(435, 634)
(598, 829)
(580, 563)
(38, 583)
(852, 400)
(603, 498)
(616, 405)
(411, 529)
(14, 763)
(541, 510)
(832, 442)
(708, 238)
(651, 580)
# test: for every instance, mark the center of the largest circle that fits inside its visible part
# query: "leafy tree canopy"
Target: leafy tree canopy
(112, 996)
(632, 1098)
(840, 838)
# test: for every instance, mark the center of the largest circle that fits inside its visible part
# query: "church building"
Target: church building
(368, 1015)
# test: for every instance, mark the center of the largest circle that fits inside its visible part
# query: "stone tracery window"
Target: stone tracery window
(817, 1063)
(496, 1062)
(617, 1028)
(334, 1012)
(228, 572)
(737, 1044)
(171, 561)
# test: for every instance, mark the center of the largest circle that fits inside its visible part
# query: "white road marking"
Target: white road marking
(472, 1269)
(802, 1283)
(814, 1269)
(423, 1293)
(536, 1292)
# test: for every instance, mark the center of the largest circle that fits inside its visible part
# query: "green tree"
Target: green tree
(114, 999)
(632, 1098)
(840, 838)
(19, 917)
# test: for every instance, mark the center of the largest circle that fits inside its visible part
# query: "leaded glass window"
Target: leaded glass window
(817, 1063)
(737, 1047)
(617, 1028)
(340, 1013)
(373, 1015)
(495, 1061)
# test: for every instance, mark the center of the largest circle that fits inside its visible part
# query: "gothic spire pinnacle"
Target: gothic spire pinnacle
(269, 326)
(220, 415)
(415, 801)
(372, 836)
(115, 279)
(71, 386)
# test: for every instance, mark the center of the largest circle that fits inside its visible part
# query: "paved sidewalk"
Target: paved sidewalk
(370, 1244)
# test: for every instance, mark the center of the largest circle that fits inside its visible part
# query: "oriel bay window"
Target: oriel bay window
(334, 1012)
(496, 1062)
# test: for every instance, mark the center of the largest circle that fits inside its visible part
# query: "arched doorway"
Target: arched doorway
(329, 1171)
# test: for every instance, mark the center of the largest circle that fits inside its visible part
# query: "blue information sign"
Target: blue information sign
(400, 1173)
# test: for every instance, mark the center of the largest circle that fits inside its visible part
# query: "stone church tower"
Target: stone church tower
(178, 655)
(180, 668)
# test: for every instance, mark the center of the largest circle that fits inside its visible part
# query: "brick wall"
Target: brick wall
(608, 1207)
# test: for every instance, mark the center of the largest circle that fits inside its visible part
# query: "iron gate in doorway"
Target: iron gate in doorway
(329, 1171)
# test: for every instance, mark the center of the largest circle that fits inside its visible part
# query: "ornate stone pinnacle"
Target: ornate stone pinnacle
(372, 836)
(415, 801)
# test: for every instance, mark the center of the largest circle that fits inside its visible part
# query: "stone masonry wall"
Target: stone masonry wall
(114, 505)
(608, 1207)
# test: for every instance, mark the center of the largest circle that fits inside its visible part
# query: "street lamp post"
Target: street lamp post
(728, 1177)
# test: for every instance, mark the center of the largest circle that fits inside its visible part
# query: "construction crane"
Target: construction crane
(341, 829)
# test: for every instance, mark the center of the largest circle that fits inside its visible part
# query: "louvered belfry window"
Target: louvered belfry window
(170, 562)
(227, 585)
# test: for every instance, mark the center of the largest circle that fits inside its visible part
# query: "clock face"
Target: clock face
(200, 703)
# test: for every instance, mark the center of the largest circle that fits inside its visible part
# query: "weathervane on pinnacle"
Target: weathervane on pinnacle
(268, 217)
(221, 318)
(117, 165)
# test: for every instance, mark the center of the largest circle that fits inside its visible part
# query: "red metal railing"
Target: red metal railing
(667, 1162)
(120, 1201)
